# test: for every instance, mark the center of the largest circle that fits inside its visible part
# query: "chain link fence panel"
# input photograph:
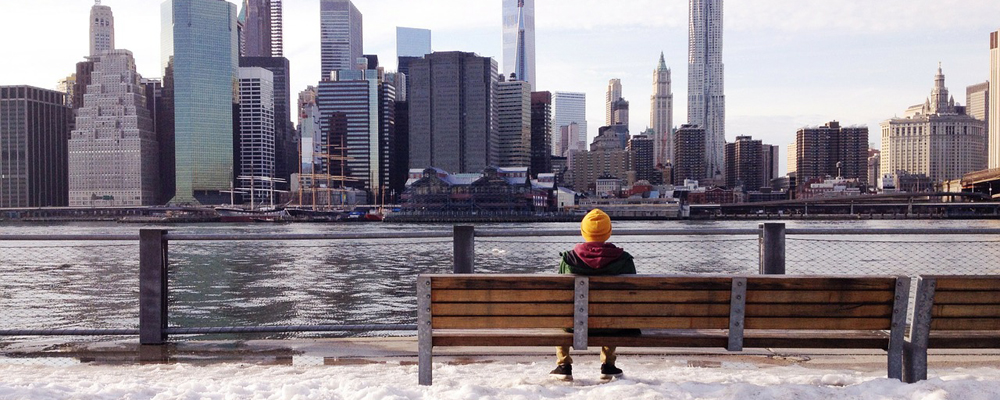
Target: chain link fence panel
(246, 283)
(652, 254)
(909, 255)
(69, 286)
(65, 286)
(315, 282)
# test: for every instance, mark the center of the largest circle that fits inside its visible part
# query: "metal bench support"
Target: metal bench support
(737, 312)
(915, 350)
(424, 340)
(581, 311)
(896, 332)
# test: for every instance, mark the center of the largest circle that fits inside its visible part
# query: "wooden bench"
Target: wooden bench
(952, 312)
(729, 312)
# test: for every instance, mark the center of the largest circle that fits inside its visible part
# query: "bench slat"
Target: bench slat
(758, 296)
(503, 309)
(502, 296)
(669, 338)
(805, 342)
(511, 322)
(539, 282)
(501, 322)
(965, 339)
(818, 296)
(680, 296)
(966, 297)
(755, 310)
(945, 283)
(965, 324)
(626, 282)
(659, 322)
(839, 284)
(818, 323)
(965, 310)
(659, 310)
(819, 310)
(657, 296)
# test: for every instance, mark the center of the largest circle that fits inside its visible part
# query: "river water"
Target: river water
(80, 284)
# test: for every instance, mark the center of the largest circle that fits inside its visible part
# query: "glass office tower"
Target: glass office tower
(340, 36)
(200, 46)
(519, 40)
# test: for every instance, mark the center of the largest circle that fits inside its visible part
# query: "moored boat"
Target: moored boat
(232, 214)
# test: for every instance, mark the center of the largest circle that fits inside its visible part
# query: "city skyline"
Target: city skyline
(774, 85)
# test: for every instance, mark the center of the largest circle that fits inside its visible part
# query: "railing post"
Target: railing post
(465, 249)
(152, 286)
(772, 248)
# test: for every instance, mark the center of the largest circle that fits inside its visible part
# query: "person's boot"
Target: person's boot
(563, 372)
(608, 371)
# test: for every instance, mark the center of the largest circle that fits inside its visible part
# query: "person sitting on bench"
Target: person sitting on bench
(595, 256)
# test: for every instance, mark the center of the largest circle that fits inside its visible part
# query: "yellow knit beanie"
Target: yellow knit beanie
(596, 226)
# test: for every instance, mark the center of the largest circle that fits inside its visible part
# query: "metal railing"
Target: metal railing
(184, 280)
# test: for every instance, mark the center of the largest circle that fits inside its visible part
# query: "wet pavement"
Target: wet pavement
(403, 351)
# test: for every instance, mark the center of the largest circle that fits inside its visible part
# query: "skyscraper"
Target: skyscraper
(661, 114)
(744, 163)
(200, 49)
(453, 112)
(84, 72)
(936, 139)
(262, 28)
(340, 36)
(519, 40)
(689, 153)
(619, 112)
(608, 157)
(102, 29)
(994, 106)
(160, 104)
(569, 108)
(567, 134)
(514, 123)
(277, 29)
(706, 92)
(67, 85)
(257, 140)
(34, 126)
(831, 150)
(412, 42)
(977, 105)
(770, 161)
(541, 133)
(113, 156)
(285, 137)
(613, 94)
(366, 99)
(640, 148)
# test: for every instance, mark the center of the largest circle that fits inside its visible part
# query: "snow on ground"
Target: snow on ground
(645, 379)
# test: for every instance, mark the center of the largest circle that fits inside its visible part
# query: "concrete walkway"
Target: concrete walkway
(403, 350)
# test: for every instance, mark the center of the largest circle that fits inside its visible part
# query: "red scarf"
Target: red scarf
(597, 254)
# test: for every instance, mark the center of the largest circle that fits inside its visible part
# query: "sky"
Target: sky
(788, 63)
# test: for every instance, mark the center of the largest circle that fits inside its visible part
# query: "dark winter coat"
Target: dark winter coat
(598, 259)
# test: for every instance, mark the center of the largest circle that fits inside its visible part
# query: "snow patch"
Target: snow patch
(644, 379)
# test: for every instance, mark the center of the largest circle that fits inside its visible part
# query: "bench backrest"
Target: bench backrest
(957, 303)
(501, 301)
(824, 303)
(480, 301)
